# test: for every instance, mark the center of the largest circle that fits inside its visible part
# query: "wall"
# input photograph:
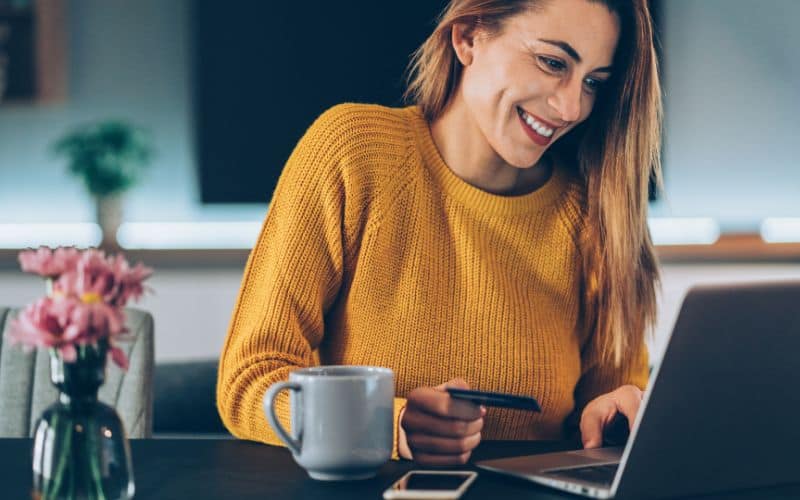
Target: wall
(731, 81)
(731, 107)
(130, 60)
(192, 307)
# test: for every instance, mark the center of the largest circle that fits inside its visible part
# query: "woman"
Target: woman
(492, 235)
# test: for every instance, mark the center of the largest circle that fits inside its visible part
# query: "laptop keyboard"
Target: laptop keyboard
(598, 474)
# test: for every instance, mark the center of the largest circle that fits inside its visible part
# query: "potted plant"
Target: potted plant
(109, 157)
(80, 447)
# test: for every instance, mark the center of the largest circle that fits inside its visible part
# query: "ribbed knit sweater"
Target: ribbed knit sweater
(374, 252)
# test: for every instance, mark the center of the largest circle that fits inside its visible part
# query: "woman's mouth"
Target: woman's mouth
(538, 131)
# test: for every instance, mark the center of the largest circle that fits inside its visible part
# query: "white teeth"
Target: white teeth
(539, 127)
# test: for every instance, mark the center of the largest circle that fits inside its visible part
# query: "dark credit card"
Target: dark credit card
(496, 399)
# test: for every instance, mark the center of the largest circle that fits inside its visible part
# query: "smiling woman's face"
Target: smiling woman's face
(538, 78)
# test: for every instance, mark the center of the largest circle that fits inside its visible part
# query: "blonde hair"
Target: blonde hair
(617, 150)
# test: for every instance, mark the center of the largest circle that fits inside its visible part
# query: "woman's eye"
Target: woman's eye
(593, 84)
(553, 65)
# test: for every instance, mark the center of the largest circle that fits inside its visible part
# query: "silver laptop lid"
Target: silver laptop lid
(721, 410)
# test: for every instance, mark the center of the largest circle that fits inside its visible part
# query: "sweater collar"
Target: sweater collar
(475, 198)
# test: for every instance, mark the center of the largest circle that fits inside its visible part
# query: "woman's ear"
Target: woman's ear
(462, 36)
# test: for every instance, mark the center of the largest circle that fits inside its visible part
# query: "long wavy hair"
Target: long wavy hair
(617, 151)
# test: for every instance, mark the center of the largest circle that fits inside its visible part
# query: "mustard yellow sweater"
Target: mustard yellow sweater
(374, 253)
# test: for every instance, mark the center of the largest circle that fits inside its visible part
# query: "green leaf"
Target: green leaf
(108, 156)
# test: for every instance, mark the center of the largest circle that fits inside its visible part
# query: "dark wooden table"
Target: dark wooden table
(231, 469)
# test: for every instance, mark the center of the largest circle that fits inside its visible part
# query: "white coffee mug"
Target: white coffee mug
(342, 419)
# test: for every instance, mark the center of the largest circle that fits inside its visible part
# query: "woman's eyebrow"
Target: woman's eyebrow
(572, 53)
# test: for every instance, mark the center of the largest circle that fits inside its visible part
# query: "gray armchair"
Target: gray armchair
(25, 388)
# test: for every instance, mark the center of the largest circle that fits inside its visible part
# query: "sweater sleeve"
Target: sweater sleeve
(399, 405)
(292, 277)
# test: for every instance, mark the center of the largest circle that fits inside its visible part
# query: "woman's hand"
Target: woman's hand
(436, 429)
(601, 411)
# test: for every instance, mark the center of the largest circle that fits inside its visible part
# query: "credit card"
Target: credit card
(496, 399)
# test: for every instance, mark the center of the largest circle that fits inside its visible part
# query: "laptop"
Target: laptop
(720, 412)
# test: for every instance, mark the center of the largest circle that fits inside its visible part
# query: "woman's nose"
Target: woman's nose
(566, 101)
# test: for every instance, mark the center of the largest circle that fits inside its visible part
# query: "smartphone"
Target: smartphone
(431, 484)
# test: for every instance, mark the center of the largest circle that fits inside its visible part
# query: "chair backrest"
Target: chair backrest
(25, 388)
(184, 399)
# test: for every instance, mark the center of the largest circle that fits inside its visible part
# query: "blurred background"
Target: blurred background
(219, 92)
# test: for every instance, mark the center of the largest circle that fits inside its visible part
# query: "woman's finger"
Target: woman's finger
(437, 445)
(628, 399)
(592, 422)
(457, 383)
(440, 403)
(600, 412)
(425, 423)
(441, 460)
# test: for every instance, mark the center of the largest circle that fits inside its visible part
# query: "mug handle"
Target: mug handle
(269, 407)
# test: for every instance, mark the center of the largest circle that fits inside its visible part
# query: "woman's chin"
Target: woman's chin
(525, 161)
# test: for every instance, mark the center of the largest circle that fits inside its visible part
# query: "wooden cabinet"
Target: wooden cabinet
(33, 51)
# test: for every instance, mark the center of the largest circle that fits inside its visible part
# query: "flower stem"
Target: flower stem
(64, 452)
(94, 456)
(85, 466)
(72, 471)
(47, 482)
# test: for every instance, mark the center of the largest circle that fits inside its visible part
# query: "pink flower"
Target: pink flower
(129, 279)
(94, 321)
(62, 323)
(110, 280)
(48, 263)
(87, 306)
(89, 279)
(44, 324)
(119, 357)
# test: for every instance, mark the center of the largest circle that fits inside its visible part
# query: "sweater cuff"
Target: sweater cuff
(399, 405)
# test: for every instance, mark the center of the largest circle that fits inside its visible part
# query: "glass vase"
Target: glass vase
(80, 447)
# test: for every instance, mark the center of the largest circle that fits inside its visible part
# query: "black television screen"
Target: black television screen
(263, 71)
